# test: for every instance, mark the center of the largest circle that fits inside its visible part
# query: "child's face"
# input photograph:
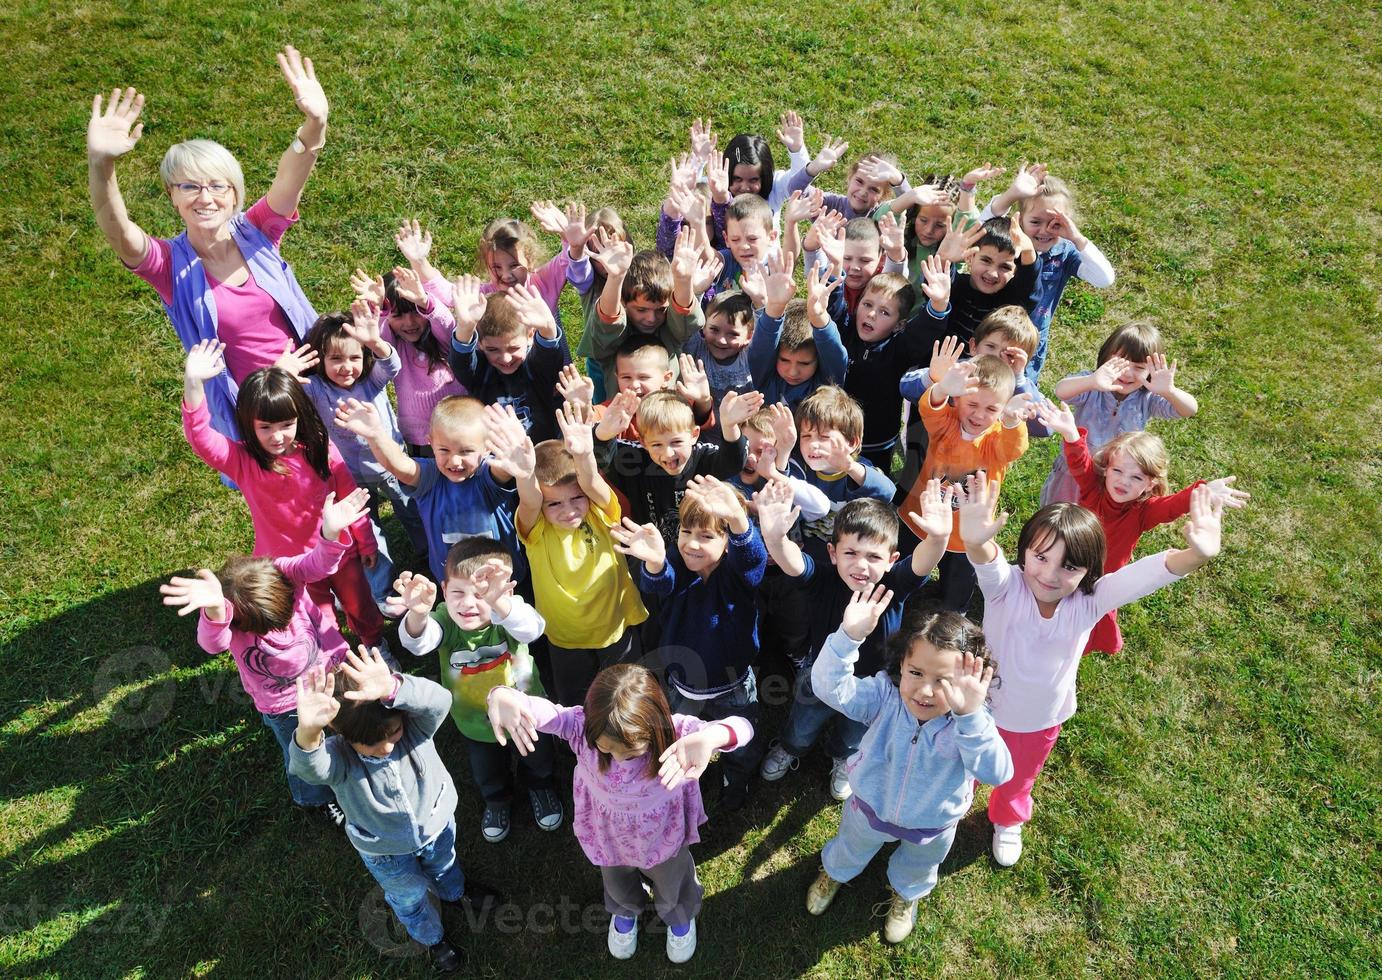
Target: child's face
(979, 409)
(618, 750)
(755, 442)
(991, 345)
(992, 269)
(919, 684)
(1125, 480)
(745, 178)
(385, 746)
(701, 548)
(644, 315)
(878, 316)
(507, 354)
(931, 224)
(642, 374)
(505, 270)
(276, 438)
(458, 450)
(861, 261)
(408, 326)
(749, 241)
(344, 362)
(1048, 575)
(861, 562)
(464, 604)
(565, 505)
(1037, 223)
(726, 338)
(864, 195)
(817, 446)
(671, 450)
(796, 366)
(1132, 378)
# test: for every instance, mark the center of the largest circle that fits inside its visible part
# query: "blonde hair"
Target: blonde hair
(693, 516)
(260, 596)
(1012, 325)
(513, 236)
(456, 412)
(664, 412)
(555, 465)
(890, 285)
(829, 407)
(500, 319)
(994, 374)
(1050, 187)
(1148, 454)
(206, 159)
(760, 421)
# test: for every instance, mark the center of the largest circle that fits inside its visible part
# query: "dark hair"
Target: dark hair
(944, 182)
(998, 234)
(944, 630)
(1136, 340)
(468, 554)
(273, 395)
(735, 305)
(867, 519)
(330, 327)
(1072, 525)
(626, 703)
(361, 722)
(752, 149)
(650, 275)
(396, 305)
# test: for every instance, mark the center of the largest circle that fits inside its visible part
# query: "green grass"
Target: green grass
(1213, 807)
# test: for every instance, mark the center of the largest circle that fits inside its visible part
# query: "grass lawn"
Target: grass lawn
(1212, 809)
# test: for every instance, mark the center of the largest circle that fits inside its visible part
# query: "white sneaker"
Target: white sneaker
(1007, 844)
(839, 781)
(776, 763)
(622, 945)
(682, 948)
(902, 919)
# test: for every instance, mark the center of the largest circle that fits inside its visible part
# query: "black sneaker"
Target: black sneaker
(547, 808)
(331, 813)
(445, 957)
(733, 796)
(494, 825)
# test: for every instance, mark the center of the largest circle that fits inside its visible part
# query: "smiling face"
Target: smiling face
(979, 409)
(860, 261)
(344, 362)
(701, 548)
(464, 605)
(749, 241)
(878, 316)
(864, 195)
(755, 442)
(817, 445)
(1048, 574)
(506, 354)
(385, 746)
(565, 505)
(276, 438)
(923, 668)
(643, 372)
(505, 269)
(745, 178)
(727, 337)
(992, 268)
(931, 224)
(458, 450)
(1037, 220)
(861, 562)
(408, 326)
(671, 450)
(204, 211)
(1134, 376)
(1124, 480)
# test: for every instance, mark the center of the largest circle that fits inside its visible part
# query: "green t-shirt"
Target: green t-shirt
(472, 663)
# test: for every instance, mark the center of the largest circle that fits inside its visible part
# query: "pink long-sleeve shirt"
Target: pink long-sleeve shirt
(286, 507)
(624, 817)
(269, 664)
(420, 385)
(550, 279)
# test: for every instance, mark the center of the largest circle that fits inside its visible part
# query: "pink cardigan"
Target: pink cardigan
(418, 388)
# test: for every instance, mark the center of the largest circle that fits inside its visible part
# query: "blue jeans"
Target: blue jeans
(407, 878)
(304, 794)
(912, 869)
(387, 487)
(808, 716)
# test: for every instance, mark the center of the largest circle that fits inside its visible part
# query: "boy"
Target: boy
(858, 255)
(398, 798)
(643, 366)
(705, 589)
(832, 426)
(795, 347)
(722, 345)
(481, 635)
(582, 587)
(1001, 272)
(863, 552)
(522, 348)
(982, 430)
(750, 241)
(458, 493)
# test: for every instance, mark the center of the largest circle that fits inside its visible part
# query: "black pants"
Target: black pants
(491, 766)
(785, 614)
(574, 669)
(741, 763)
(957, 581)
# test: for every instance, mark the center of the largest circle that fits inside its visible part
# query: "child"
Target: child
(722, 345)
(1133, 383)
(873, 179)
(398, 798)
(858, 250)
(1037, 619)
(930, 738)
(481, 635)
(983, 429)
(565, 513)
(1046, 210)
(795, 347)
(1000, 271)
(641, 367)
(708, 614)
(458, 492)
(259, 609)
(653, 473)
(285, 467)
(631, 824)
(750, 241)
(863, 553)
(604, 222)
(507, 350)
(832, 427)
(1125, 484)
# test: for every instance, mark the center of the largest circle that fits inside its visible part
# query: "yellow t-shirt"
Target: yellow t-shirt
(581, 585)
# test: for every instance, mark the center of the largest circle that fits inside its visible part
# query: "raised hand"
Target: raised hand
(548, 216)
(686, 758)
(1021, 242)
(1204, 530)
(467, 302)
(959, 380)
(841, 456)
(819, 285)
(509, 717)
(363, 327)
(361, 418)
(958, 243)
(316, 707)
(703, 140)
(684, 170)
(206, 360)
(780, 286)
(979, 517)
(890, 238)
(113, 133)
(985, 171)
(1059, 222)
(507, 440)
(575, 230)
(365, 287)
(876, 170)
(945, 354)
(707, 271)
(693, 384)
(776, 514)
(926, 196)
(684, 255)
(493, 583)
(864, 610)
(935, 273)
(828, 155)
(1027, 181)
(573, 419)
(1106, 375)
(408, 286)
(1161, 377)
(1015, 358)
(791, 131)
(619, 415)
(372, 676)
(414, 593)
(937, 517)
(337, 515)
(1223, 492)
(784, 429)
(413, 241)
(297, 361)
(716, 496)
(754, 283)
(1058, 417)
(192, 594)
(736, 408)
(531, 309)
(642, 542)
(830, 237)
(1019, 408)
(970, 687)
(614, 255)
(803, 206)
(717, 178)
(574, 386)
(308, 94)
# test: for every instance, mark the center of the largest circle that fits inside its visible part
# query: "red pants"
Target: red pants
(1106, 637)
(352, 588)
(1011, 803)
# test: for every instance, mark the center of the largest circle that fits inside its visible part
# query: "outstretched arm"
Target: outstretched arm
(296, 164)
(110, 135)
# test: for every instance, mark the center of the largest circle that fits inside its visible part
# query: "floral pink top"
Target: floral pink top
(624, 817)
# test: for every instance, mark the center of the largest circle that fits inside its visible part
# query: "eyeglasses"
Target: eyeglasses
(216, 187)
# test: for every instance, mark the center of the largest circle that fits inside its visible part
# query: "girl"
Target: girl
(1125, 484)
(631, 824)
(930, 737)
(260, 610)
(1047, 211)
(606, 222)
(874, 178)
(1133, 383)
(285, 467)
(1037, 618)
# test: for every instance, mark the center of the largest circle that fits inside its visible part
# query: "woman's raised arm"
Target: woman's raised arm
(295, 166)
(110, 135)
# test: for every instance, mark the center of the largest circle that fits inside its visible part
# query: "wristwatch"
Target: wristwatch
(300, 147)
